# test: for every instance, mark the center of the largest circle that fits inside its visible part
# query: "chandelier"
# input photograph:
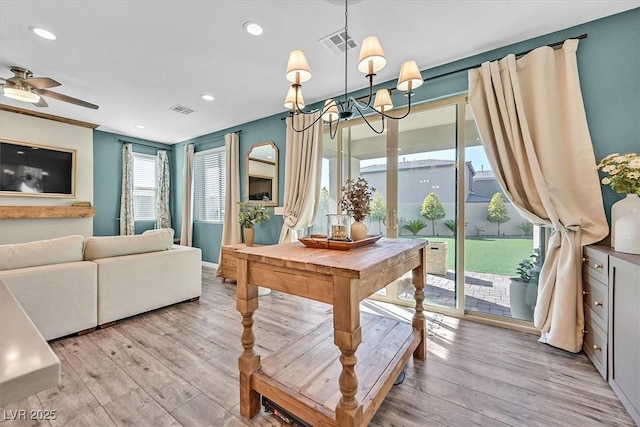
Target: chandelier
(371, 61)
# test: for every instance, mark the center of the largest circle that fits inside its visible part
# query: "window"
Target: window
(144, 187)
(210, 172)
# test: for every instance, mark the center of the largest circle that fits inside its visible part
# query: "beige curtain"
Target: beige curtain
(127, 221)
(163, 213)
(533, 126)
(231, 227)
(303, 165)
(186, 229)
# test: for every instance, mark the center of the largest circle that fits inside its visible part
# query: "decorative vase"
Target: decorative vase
(622, 208)
(627, 233)
(358, 230)
(248, 236)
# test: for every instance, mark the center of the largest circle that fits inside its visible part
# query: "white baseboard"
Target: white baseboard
(209, 265)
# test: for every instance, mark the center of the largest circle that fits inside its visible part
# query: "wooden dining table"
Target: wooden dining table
(339, 373)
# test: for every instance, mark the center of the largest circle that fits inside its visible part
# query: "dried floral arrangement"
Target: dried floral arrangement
(356, 198)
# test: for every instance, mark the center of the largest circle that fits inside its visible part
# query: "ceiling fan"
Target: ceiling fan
(24, 87)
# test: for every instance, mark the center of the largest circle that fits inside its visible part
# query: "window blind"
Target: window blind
(210, 177)
(144, 186)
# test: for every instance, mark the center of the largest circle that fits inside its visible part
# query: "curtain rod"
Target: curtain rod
(553, 45)
(122, 141)
(214, 138)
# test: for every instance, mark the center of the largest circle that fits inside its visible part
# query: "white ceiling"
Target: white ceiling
(137, 59)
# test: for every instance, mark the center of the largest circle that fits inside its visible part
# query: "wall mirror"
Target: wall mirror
(262, 173)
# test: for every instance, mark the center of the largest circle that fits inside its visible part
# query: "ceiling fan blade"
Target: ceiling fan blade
(66, 98)
(41, 103)
(41, 82)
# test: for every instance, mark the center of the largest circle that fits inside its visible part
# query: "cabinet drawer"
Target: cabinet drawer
(596, 297)
(595, 344)
(596, 264)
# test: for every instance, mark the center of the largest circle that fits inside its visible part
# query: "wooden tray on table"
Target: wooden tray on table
(321, 242)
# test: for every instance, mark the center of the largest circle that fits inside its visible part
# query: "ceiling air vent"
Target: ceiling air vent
(182, 109)
(337, 41)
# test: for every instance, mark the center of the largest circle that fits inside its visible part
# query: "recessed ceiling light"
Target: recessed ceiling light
(208, 97)
(43, 33)
(141, 126)
(253, 28)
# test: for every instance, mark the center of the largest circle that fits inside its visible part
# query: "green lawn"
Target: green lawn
(488, 255)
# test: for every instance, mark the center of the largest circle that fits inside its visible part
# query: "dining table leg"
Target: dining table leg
(419, 321)
(249, 361)
(347, 336)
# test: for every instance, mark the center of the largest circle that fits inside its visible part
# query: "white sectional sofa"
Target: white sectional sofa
(72, 284)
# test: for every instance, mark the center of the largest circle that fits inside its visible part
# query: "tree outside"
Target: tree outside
(432, 210)
(378, 209)
(497, 211)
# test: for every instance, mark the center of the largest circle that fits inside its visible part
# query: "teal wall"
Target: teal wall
(107, 178)
(208, 236)
(609, 66)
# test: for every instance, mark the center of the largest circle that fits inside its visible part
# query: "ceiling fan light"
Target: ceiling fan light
(298, 68)
(410, 77)
(25, 94)
(290, 100)
(330, 111)
(383, 100)
(371, 58)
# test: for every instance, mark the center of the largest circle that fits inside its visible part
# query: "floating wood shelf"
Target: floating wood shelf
(16, 212)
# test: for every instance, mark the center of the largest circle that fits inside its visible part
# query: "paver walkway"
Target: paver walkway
(485, 293)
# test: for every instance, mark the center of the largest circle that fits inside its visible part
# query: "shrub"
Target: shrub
(415, 225)
(526, 227)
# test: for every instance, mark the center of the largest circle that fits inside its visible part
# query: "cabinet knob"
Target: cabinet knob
(585, 259)
(597, 266)
(585, 293)
(597, 303)
(597, 347)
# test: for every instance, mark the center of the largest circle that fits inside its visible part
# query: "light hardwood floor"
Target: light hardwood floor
(178, 366)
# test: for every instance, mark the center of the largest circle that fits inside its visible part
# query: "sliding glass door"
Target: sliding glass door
(433, 182)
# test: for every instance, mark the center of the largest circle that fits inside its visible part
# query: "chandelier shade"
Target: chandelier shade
(370, 61)
(372, 57)
(383, 101)
(330, 111)
(298, 68)
(294, 98)
(410, 77)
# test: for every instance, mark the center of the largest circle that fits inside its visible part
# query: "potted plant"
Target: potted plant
(249, 215)
(523, 290)
(356, 202)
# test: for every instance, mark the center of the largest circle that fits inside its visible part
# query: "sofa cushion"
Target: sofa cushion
(41, 252)
(112, 246)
